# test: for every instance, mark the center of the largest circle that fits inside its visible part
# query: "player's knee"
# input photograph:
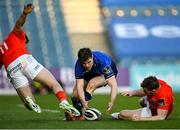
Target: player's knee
(90, 87)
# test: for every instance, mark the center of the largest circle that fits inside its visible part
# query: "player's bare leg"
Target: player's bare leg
(127, 114)
(94, 83)
(89, 88)
(46, 78)
(28, 99)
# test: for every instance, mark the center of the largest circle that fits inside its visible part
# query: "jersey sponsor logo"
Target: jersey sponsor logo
(107, 70)
(161, 102)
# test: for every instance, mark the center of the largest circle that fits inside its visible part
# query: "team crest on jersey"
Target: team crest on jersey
(161, 102)
(106, 70)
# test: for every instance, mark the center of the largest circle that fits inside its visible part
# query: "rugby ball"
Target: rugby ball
(92, 114)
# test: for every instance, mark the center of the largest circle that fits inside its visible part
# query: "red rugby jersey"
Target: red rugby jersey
(163, 99)
(13, 47)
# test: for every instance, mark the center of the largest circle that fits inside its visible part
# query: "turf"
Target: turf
(13, 115)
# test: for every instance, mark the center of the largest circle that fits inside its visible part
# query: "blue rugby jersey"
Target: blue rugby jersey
(103, 64)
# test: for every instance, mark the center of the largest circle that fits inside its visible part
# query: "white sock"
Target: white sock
(115, 115)
(65, 101)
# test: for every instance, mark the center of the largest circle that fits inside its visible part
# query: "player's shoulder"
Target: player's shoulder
(164, 85)
(98, 52)
(20, 34)
(166, 89)
(10, 34)
(14, 34)
(78, 64)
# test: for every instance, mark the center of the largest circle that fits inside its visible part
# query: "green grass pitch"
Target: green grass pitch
(14, 115)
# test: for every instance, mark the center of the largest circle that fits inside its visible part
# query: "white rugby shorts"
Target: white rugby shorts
(146, 112)
(23, 68)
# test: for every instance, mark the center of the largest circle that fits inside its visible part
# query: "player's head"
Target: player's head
(150, 85)
(86, 58)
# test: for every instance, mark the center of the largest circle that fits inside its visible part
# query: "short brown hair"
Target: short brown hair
(84, 54)
(150, 83)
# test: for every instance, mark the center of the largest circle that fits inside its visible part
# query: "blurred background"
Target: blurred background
(143, 37)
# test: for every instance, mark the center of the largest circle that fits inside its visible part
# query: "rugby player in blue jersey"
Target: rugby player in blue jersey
(93, 69)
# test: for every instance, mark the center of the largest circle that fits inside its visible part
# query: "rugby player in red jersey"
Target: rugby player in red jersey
(21, 66)
(157, 106)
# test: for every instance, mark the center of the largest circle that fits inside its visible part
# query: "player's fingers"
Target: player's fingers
(28, 7)
(124, 93)
(31, 7)
(110, 105)
(109, 109)
(85, 107)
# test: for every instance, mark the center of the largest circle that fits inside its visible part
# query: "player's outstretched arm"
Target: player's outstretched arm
(21, 20)
(113, 84)
(80, 89)
(138, 93)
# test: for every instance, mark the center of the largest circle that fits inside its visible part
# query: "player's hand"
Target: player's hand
(110, 106)
(85, 106)
(28, 9)
(126, 93)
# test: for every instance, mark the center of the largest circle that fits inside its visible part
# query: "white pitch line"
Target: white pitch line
(52, 111)
(44, 110)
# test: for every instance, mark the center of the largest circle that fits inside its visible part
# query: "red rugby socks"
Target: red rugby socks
(61, 95)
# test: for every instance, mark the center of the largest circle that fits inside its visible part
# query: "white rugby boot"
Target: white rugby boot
(35, 107)
(66, 106)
